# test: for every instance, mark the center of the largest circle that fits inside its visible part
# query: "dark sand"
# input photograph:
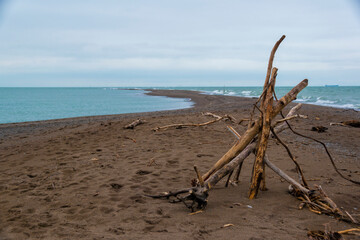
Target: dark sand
(56, 176)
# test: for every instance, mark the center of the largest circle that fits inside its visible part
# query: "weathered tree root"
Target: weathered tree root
(324, 235)
(196, 198)
(327, 234)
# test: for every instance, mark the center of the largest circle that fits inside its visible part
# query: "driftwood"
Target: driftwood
(331, 235)
(134, 124)
(243, 120)
(237, 161)
(215, 178)
(182, 125)
(250, 134)
(291, 115)
(266, 111)
(324, 235)
(285, 176)
(255, 140)
(351, 123)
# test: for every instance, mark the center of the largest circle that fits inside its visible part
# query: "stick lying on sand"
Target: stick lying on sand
(134, 124)
(181, 125)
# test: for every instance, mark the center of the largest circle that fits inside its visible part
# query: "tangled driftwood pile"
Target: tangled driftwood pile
(255, 140)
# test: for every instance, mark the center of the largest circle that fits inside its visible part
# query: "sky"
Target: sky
(121, 43)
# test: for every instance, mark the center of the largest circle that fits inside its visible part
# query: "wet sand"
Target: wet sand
(85, 178)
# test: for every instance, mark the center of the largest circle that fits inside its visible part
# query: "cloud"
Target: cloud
(59, 64)
(192, 35)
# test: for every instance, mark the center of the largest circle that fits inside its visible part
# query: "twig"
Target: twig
(152, 161)
(233, 131)
(289, 118)
(352, 218)
(347, 231)
(201, 180)
(228, 179)
(243, 120)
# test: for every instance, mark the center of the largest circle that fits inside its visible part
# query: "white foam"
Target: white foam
(230, 93)
(324, 102)
(246, 93)
(217, 92)
(349, 105)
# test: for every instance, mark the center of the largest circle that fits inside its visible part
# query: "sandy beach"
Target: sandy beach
(85, 178)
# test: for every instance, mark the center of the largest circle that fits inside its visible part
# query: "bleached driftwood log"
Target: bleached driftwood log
(134, 124)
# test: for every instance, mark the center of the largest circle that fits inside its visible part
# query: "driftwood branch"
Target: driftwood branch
(134, 124)
(285, 176)
(268, 74)
(290, 114)
(267, 108)
(289, 118)
(225, 117)
(351, 123)
(233, 131)
(181, 125)
(200, 179)
(271, 60)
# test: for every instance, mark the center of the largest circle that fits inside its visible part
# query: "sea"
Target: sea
(34, 104)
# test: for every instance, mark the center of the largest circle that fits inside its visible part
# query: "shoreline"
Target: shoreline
(85, 178)
(200, 102)
(199, 99)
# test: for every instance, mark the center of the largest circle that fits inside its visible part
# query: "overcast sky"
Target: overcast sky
(177, 43)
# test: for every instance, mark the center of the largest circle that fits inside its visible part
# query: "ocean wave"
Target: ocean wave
(246, 93)
(230, 93)
(324, 102)
(302, 100)
(216, 92)
(344, 97)
(349, 105)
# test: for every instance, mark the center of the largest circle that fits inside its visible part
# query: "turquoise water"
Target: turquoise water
(33, 104)
(339, 97)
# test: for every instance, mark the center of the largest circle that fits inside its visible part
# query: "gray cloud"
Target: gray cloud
(160, 36)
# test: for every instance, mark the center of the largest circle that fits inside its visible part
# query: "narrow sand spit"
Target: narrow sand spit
(85, 178)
